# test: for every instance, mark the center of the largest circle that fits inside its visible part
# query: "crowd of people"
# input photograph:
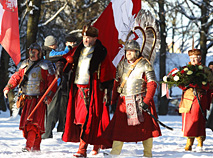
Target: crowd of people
(80, 100)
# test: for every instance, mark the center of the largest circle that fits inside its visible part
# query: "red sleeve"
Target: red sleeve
(151, 87)
(14, 80)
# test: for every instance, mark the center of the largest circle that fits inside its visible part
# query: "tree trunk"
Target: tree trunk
(163, 106)
(32, 25)
(4, 77)
(204, 31)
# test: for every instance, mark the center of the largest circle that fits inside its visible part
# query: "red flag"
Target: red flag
(9, 29)
(115, 23)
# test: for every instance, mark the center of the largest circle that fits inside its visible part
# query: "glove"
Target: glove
(6, 93)
(47, 100)
(59, 69)
(144, 106)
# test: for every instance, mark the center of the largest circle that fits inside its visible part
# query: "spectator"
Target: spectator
(56, 111)
(209, 123)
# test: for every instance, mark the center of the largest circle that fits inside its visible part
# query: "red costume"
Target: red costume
(193, 121)
(34, 127)
(86, 123)
(119, 129)
(193, 113)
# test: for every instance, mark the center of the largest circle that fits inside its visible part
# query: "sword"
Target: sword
(162, 124)
(201, 109)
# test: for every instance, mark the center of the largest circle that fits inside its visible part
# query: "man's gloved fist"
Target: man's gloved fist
(144, 106)
(47, 100)
(59, 69)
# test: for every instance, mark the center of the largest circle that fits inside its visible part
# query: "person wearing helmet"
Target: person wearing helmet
(134, 88)
(33, 77)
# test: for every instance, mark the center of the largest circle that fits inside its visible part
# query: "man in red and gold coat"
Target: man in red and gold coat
(87, 116)
(32, 86)
(194, 116)
(135, 92)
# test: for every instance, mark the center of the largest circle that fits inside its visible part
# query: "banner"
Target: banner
(9, 29)
(114, 24)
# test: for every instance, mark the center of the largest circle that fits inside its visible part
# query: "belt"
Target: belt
(31, 97)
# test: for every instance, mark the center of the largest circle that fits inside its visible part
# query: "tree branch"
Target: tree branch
(54, 16)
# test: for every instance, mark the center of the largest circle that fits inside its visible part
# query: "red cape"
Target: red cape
(98, 116)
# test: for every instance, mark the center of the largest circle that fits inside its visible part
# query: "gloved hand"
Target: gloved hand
(47, 100)
(6, 93)
(144, 106)
(107, 97)
(59, 69)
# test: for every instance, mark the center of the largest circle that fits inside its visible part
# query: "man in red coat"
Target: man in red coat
(87, 116)
(134, 86)
(32, 83)
(193, 119)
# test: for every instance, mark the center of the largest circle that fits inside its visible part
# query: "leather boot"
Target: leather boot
(30, 140)
(116, 147)
(36, 146)
(189, 143)
(82, 150)
(200, 140)
(95, 150)
(147, 145)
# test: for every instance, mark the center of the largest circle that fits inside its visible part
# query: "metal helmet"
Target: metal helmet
(37, 47)
(133, 45)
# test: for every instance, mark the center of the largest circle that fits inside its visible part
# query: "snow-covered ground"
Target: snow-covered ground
(169, 145)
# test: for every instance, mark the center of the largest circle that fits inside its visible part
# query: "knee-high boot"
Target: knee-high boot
(116, 147)
(95, 150)
(147, 144)
(36, 146)
(189, 143)
(30, 140)
(82, 150)
(200, 141)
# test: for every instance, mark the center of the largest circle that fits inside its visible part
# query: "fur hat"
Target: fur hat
(194, 51)
(50, 41)
(70, 38)
(90, 31)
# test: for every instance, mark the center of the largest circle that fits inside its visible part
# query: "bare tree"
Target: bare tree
(163, 106)
(33, 20)
(200, 23)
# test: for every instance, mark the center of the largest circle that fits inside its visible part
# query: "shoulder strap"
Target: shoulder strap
(129, 72)
(25, 78)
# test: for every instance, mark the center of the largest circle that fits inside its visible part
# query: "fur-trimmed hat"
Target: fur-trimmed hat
(90, 31)
(194, 51)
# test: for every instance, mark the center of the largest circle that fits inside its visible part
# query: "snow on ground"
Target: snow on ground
(169, 145)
